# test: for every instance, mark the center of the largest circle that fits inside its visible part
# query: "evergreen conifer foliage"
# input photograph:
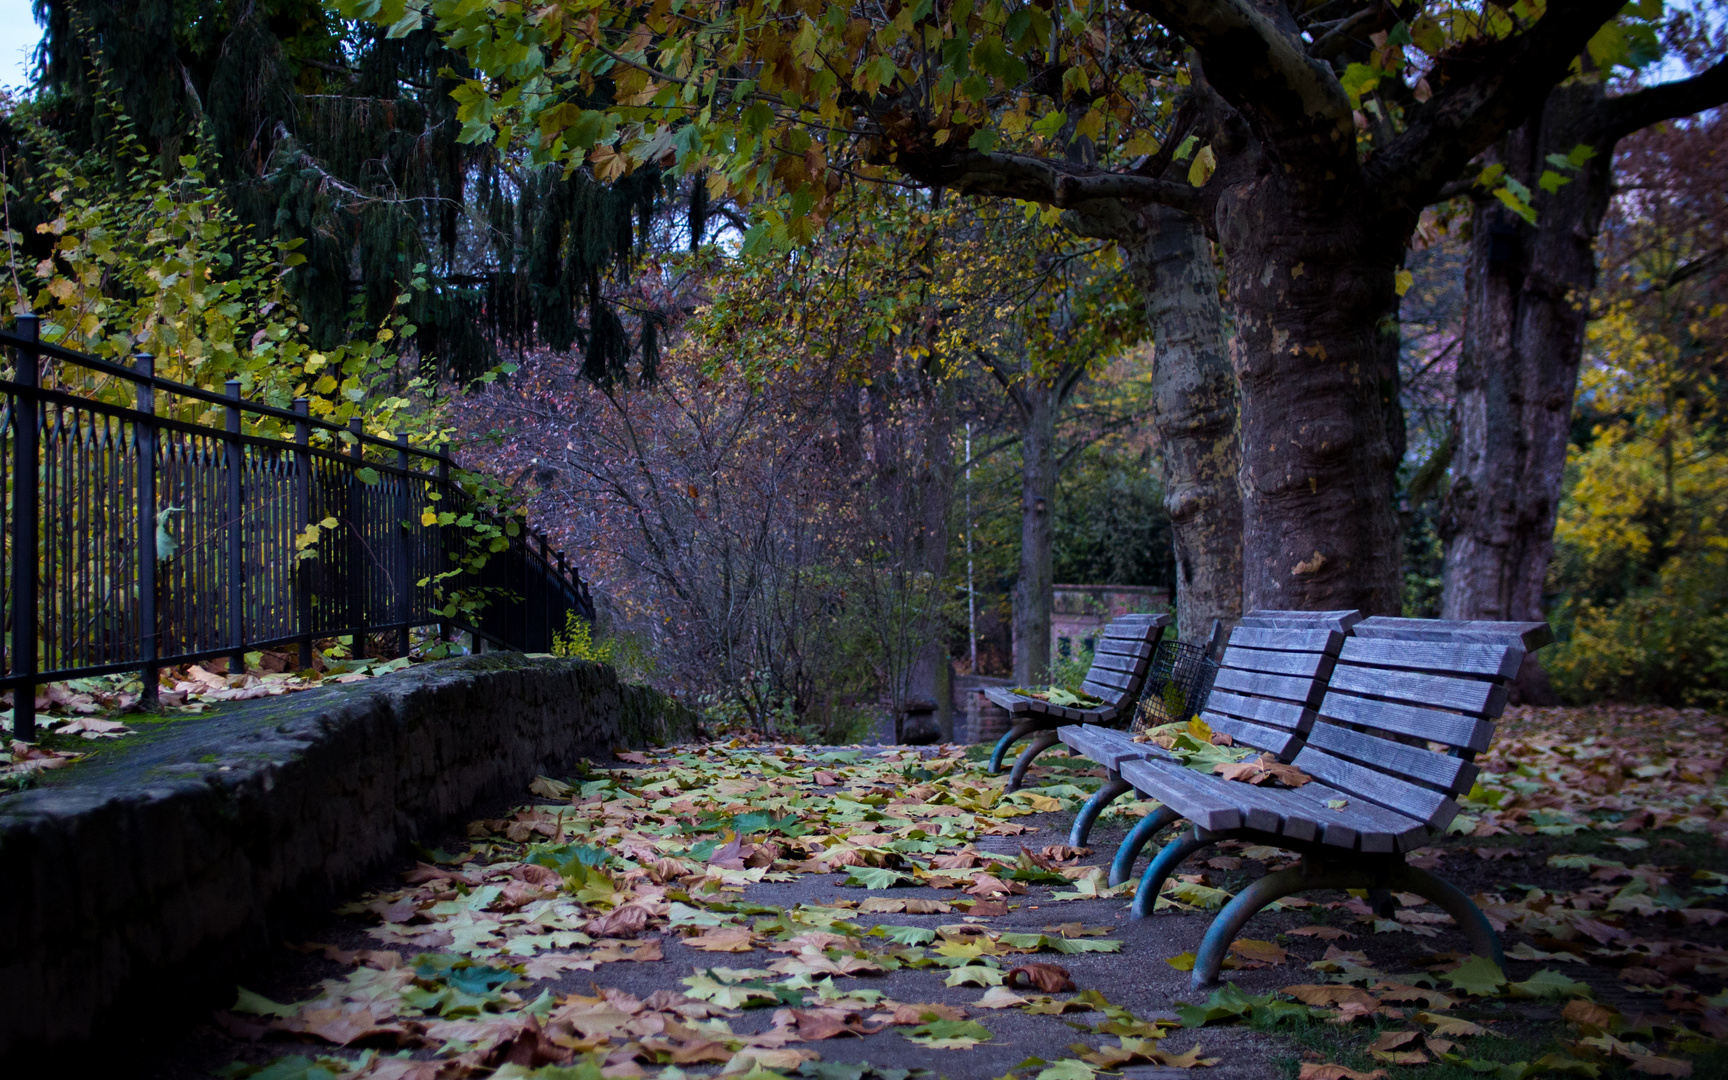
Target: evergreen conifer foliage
(347, 139)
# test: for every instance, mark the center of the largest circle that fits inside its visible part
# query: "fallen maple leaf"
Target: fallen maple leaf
(1314, 1070)
(1050, 978)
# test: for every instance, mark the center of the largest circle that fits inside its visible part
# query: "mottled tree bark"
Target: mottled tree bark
(1311, 285)
(1034, 590)
(1527, 302)
(1194, 404)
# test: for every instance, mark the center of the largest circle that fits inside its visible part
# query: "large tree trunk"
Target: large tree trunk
(1033, 592)
(1316, 356)
(1194, 403)
(1527, 301)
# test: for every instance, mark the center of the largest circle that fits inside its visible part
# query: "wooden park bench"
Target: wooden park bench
(1409, 704)
(1121, 657)
(1271, 676)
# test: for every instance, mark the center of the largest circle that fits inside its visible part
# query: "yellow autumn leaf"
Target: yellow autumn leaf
(1205, 164)
(1402, 280)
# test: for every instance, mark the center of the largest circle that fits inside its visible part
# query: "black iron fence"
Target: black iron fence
(134, 541)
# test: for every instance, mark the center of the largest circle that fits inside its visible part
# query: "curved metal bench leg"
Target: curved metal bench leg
(1088, 816)
(1470, 919)
(1381, 901)
(1209, 957)
(1015, 734)
(1148, 827)
(1162, 866)
(1042, 742)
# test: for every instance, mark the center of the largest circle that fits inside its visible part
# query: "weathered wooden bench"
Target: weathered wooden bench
(1408, 705)
(1120, 658)
(1271, 676)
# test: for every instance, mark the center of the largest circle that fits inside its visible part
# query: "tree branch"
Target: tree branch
(1479, 93)
(1261, 65)
(1042, 180)
(1620, 116)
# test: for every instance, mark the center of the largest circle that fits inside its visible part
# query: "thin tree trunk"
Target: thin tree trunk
(1033, 592)
(1527, 301)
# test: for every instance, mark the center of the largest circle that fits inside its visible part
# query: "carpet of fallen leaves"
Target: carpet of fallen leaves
(1588, 839)
(73, 714)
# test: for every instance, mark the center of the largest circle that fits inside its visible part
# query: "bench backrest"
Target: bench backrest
(1409, 703)
(1121, 656)
(1272, 676)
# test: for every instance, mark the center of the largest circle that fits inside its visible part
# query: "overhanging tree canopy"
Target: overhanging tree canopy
(346, 138)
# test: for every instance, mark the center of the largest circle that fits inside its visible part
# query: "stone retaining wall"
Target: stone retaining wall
(135, 884)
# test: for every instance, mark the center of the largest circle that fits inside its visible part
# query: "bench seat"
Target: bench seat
(1395, 723)
(1121, 659)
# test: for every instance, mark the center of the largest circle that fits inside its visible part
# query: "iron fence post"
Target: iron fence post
(303, 518)
(563, 597)
(236, 458)
(545, 571)
(438, 537)
(25, 480)
(144, 437)
(403, 535)
(357, 542)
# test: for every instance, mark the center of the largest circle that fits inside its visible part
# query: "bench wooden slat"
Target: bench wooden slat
(1450, 774)
(1432, 808)
(1107, 693)
(1300, 620)
(1320, 641)
(1133, 665)
(1275, 741)
(1471, 696)
(1206, 809)
(1452, 729)
(1531, 635)
(1304, 664)
(1119, 679)
(1014, 703)
(1109, 747)
(1284, 714)
(1286, 687)
(1451, 658)
(1113, 632)
(1115, 647)
(1359, 824)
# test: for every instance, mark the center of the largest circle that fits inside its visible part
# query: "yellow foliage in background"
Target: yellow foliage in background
(1642, 557)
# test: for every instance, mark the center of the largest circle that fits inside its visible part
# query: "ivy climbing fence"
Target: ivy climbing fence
(134, 541)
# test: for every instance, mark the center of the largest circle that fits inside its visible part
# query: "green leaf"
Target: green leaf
(253, 1004)
(1185, 148)
(984, 140)
(1549, 983)
(368, 476)
(1181, 961)
(950, 1034)
(973, 975)
(875, 877)
(1551, 181)
(1067, 1069)
(905, 935)
(1478, 975)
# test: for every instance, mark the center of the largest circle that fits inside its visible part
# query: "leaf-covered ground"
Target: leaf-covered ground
(842, 913)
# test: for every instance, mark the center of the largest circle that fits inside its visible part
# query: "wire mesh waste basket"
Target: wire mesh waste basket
(1177, 685)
